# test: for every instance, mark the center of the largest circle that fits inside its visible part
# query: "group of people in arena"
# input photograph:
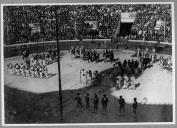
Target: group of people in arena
(36, 70)
(34, 65)
(95, 101)
(146, 56)
(89, 75)
(166, 63)
(90, 55)
(107, 17)
(108, 55)
(129, 69)
(125, 73)
(125, 82)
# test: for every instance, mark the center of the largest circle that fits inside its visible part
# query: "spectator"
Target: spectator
(135, 104)
(104, 102)
(79, 100)
(121, 104)
(95, 102)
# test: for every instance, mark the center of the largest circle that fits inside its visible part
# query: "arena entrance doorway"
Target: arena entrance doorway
(125, 29)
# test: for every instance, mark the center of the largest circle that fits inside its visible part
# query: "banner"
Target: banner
(93, 24)
(128, 17)
(35, 27)
(159, 25)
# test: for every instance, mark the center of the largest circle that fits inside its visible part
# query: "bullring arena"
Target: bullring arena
(102, 63)
(154, 83)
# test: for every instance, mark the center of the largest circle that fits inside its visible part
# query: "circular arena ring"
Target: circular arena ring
(150, 79)
(152, 86)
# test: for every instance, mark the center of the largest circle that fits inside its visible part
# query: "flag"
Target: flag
(35, 27)
(93, 24)
(159, 25)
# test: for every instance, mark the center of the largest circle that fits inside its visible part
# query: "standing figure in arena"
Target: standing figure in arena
(119, 82)
(136, 64)
(32, 71)
(111, 56)
(83, 76)
(40, 61)
(120, 67)
(87, 100)
(25, 55)
(132, 82)
(121, 104)
(17, 69)
(40, 72)
(31, 59)
(169, 61)
(124, 65)
(45, 71)
(43, 62)
(97, 57)
(96, 77)
(79, 100)
(135, 104)
(104, 102)
(27, 72)
(153, 55)
(21, 69)
(138, 54)
(47, 58)
(126, 82)
(95, 103)
(36, 72)
(24, 69)
(10, 68)
(27, 63)
(146, 53)
(89, 74)
(142, 53)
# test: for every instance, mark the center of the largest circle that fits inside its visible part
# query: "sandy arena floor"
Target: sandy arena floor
(155, 83)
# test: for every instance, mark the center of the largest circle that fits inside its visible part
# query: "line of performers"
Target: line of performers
(125, 73)
(125, 82)
(108, 55)
(126, 67)
(146, 56)
(87, 76)
(166, 63)
(32, 66)
(46, 58)
(90, 55)
(35, 71)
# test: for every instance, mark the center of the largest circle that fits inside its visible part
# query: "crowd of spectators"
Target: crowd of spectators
(74, 22)
(145, 22)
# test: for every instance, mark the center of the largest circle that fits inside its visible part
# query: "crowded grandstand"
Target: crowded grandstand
(150, 22)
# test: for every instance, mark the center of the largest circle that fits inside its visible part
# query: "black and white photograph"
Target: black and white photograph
(88, 63)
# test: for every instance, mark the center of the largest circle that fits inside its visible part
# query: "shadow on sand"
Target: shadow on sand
(26, 107)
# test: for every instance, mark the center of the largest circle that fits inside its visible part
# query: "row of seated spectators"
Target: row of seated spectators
(74, 21)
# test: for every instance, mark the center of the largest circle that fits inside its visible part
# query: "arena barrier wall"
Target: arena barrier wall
(37, 47)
